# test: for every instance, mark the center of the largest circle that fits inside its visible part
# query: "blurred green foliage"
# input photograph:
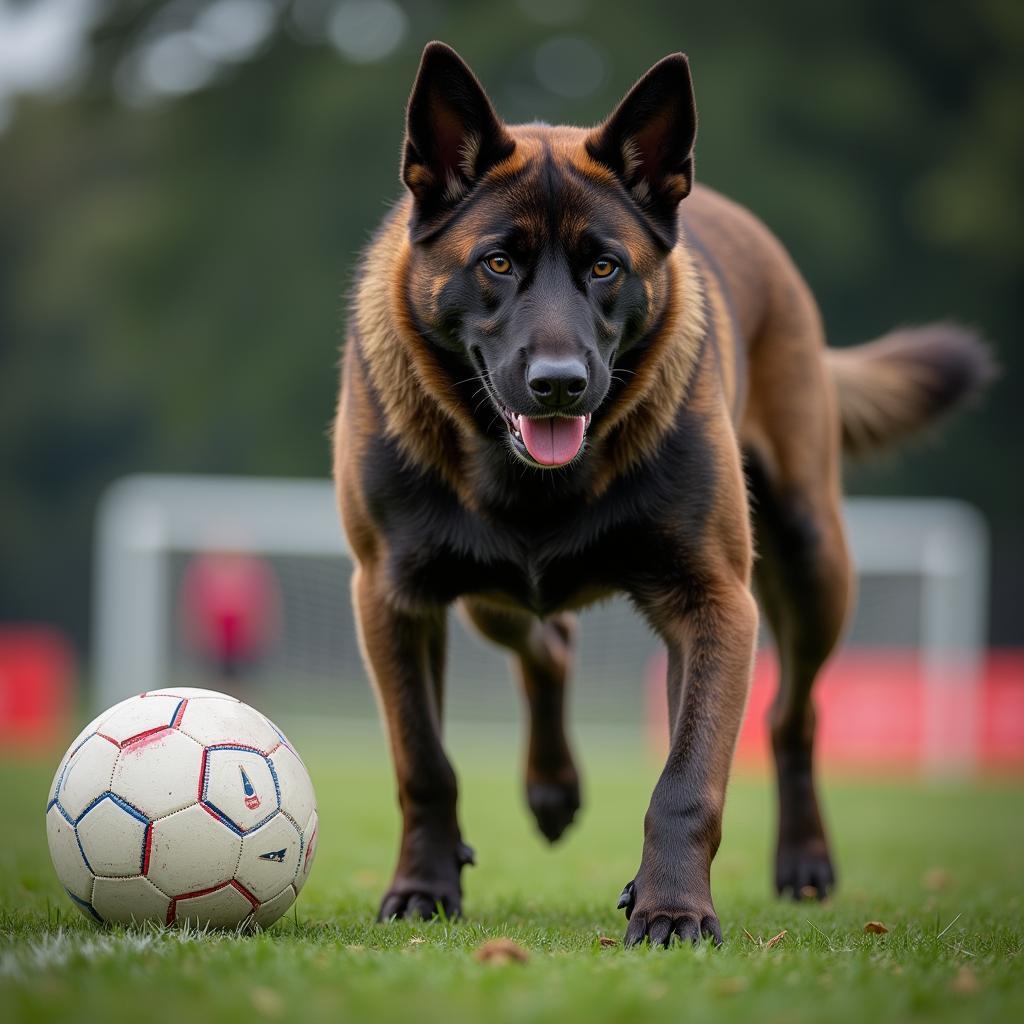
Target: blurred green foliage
(172, 276)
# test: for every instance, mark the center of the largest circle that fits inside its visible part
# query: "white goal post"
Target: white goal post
(145, 521)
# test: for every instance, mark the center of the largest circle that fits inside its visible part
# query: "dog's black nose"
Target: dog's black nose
(557, 383)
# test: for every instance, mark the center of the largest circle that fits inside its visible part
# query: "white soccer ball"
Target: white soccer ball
(182, 805)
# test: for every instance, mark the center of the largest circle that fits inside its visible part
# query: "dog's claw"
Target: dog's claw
(664, 930)
(711, 928)
(421, 906)
(659, 931)
(686, 929)
(627, 898)
(390, 908)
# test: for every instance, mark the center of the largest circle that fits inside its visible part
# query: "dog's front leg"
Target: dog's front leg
(710, 654)
(404, 653)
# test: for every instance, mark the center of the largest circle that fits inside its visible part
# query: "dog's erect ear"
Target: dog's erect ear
(648, 142)
(453, 137)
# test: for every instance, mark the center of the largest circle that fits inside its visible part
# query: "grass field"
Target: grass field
(942, 867)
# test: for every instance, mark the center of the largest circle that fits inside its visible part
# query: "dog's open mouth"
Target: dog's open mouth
(547, 440)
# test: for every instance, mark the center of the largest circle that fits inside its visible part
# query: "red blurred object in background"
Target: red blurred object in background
(229, 607)
(37, 685)
(873, 707)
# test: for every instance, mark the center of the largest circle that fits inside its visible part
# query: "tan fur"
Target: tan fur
(429, 426)
(890, 388)
(355, 423)
(468, 153)
(873, 393)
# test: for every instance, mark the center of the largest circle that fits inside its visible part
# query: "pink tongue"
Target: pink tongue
(553, 440)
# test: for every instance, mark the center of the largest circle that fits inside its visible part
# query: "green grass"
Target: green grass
(951, 953)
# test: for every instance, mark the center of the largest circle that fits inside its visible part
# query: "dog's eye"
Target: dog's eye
(604, 268)
(498, 263)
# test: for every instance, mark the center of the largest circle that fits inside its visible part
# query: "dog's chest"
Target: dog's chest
(542, 573)
(439, 552)
(541, 552)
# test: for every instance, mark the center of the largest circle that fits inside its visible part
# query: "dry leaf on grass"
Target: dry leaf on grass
(761, 944)
(875, 928)
(501, 951)
(965, 982)
(606, 941)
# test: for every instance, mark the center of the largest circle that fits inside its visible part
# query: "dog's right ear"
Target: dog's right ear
(453, 137)
(648, 142)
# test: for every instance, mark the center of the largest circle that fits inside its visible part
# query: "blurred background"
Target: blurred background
(185, 187)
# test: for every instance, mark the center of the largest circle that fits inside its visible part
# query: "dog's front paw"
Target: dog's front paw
(803, 869)
(430, 888)
(422, 902)
(662, 919)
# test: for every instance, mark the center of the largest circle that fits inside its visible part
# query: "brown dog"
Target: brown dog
(559, 384)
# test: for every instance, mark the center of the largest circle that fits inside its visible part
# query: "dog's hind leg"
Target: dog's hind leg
(542, 654)
(404, 653)
(803, 579)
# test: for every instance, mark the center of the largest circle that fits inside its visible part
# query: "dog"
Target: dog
(570, 372)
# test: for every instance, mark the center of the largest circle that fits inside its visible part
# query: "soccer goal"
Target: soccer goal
(243, 584)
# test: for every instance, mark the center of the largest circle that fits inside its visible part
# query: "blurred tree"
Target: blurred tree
(176, 231)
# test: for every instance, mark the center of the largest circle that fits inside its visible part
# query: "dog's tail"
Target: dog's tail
(893, 387)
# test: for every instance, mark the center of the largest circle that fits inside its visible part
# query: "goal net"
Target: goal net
(243, 584)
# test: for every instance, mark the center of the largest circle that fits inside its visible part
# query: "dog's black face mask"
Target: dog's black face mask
(539, 254)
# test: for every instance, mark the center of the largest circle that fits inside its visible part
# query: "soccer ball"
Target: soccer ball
(182, 805)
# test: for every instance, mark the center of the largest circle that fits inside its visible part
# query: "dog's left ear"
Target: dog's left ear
(648, 142)
(453, 137)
